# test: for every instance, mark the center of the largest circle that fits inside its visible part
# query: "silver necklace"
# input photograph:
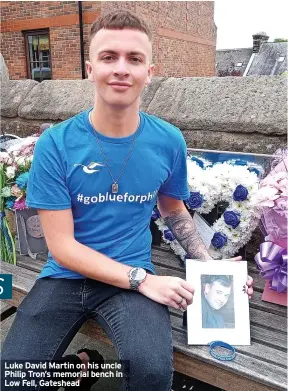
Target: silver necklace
(115, 186)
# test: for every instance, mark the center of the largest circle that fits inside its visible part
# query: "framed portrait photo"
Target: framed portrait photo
(220, 308)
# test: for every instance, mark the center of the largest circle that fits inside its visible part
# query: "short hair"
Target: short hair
(119, 20)
(223, 280)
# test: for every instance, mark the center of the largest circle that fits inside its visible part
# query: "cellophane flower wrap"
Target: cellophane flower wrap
(272, 200)
(15, 163)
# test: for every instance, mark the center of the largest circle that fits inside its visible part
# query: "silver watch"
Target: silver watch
(136, 276)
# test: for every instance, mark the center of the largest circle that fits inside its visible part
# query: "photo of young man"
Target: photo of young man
(217, 301)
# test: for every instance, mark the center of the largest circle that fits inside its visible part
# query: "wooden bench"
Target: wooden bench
(261, 366)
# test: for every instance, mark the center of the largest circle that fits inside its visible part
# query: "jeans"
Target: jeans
(55, 309)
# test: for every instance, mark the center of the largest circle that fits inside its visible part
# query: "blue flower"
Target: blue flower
(240, 193)
(10, 202)
(168, 235)
(240, 162)
(219, 240)
(232, 218)
(22, 180)
(253, 169)
(155, 214)
(195, 200)
(198, 161)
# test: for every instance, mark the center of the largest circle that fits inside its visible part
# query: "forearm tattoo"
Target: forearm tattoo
(183, 228)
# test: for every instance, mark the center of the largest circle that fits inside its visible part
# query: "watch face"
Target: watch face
(140, 274)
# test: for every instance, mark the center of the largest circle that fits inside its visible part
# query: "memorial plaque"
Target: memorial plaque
(30, 233)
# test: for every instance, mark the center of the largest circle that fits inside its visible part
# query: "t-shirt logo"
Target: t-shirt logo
(89, 168)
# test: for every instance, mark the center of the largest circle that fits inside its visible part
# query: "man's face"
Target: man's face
(120, 56)
(217, 295)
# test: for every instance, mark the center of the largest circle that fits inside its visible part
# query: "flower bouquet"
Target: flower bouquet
(272, 201)
(228, 188)
(15, 164)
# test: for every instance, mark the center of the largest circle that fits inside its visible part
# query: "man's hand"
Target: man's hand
(171, 291)
(249, 284)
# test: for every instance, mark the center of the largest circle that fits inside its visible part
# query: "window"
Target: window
(38, 58)
(239, 64)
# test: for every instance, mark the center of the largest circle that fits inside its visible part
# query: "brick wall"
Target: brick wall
(62, 19)
(184, 34)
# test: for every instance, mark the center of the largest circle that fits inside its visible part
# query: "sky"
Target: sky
(238, 20)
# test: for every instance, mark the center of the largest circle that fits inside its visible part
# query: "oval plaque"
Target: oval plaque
(34, 227)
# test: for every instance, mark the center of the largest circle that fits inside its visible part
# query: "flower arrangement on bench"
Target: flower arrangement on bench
(272, 198)
(234, 185)
(15, 163)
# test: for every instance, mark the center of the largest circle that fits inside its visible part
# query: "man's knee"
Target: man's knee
(151, 373)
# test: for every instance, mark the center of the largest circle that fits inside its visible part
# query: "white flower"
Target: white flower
(10, 172)
(22, 160)
(5, 158)
(6, 191)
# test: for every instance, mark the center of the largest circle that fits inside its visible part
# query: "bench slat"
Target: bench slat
(22, 279)
(35, 265)
(257, 303)
(269, 338)
(267, 320)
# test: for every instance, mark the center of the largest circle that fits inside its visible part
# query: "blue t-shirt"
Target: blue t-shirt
(68, 171)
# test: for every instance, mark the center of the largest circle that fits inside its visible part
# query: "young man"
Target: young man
(216, 293)
(95, 179)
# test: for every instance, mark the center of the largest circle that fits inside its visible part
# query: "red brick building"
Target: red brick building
(49, 40)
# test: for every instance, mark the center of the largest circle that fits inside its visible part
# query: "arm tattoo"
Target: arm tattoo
(183, 228)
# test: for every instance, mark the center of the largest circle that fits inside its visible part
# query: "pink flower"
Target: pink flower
(5, 158)
(20, 204)
(266, 196)
(16, 191)
(268, 181)
(281, 206)
(283, 187)
(277, 180)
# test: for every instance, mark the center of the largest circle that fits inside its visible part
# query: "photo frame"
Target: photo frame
(220, 308)
(260, 161)
(30, 234)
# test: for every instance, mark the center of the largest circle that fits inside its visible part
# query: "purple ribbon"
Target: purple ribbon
(272, 262)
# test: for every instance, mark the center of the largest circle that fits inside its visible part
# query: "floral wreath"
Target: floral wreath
(229, 182)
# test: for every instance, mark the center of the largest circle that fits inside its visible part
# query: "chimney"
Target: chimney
(258, 40)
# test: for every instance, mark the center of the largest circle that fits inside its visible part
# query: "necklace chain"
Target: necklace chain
(115, 183)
